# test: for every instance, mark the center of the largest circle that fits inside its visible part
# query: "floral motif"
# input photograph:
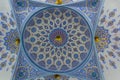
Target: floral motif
(92, 73)
(21, 73)
(8, 34)
(92, 5)
(59, 36)
(42, 49)
(21, 6)
(10, 40)
(104, 39)
(107, 46)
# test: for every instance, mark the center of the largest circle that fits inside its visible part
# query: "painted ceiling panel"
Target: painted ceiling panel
(75, 41)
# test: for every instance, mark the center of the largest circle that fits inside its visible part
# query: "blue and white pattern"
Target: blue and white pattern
(108, 35)
(41, 44)
(104, 37)
(58, 37)
(8, 35)
(50, 39)
(8, 47)
(10, 40)
(92, 5)
(107, 47)
(89, 72)
(110, 54)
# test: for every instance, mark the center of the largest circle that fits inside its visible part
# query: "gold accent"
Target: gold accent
(97, 39)
(58, 38)
(58, 2)
(17, 41)
(56, 76)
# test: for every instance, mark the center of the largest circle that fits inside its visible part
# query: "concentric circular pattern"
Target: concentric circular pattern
(10, 41)
(104, 39)
(21, 5)
(22, 73)
(93, 74)
(57, 39)
(93, 5)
